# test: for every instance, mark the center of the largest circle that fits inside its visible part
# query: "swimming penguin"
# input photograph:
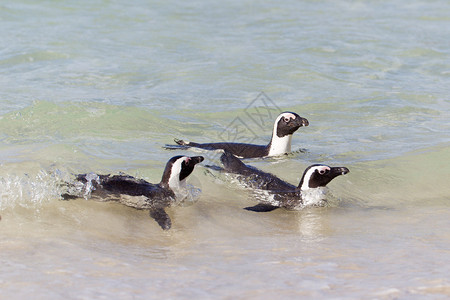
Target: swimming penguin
(278, 193)
(285, 125)
(141, 194)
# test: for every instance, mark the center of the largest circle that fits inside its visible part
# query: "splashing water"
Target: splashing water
(317, 197)
(29, 191)
(314, 197)
(191, 195)
(90, 186)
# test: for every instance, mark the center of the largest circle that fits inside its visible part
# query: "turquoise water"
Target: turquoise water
(103, 85)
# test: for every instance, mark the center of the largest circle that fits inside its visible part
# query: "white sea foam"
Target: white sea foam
(29, 190)
(89, 186)
(314, 197)
(188, 196)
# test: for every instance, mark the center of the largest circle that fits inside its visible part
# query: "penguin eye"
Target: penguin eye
(286, 119)
(323, 171)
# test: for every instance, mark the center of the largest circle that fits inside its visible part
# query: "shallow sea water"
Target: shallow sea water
(102, 86)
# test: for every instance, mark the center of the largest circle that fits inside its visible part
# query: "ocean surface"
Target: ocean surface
(102, 86)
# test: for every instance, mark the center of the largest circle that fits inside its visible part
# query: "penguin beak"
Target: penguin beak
(195, 160)
(299, 121)
(336, 171)
(304, 122)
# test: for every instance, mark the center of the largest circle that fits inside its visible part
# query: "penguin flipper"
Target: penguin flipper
(161, 217)
(207, 146)
(180, 144)
(261, 207)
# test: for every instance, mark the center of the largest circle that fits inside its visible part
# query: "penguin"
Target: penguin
(139, 193)
(278, 193)
(285, 125)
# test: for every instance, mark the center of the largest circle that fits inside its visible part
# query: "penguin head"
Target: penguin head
(319, 176)
(178, 168)
(287, 123)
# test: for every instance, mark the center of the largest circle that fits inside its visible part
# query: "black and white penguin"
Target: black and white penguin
(139, 193)
(278, 193)
(285, 125)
